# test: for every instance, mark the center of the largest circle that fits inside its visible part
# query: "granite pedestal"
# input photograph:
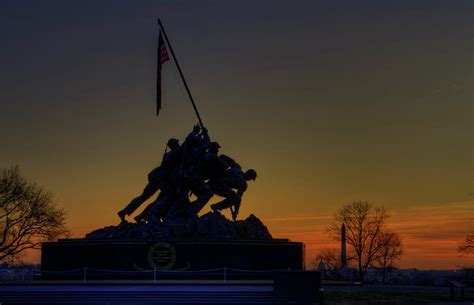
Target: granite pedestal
(109, 259)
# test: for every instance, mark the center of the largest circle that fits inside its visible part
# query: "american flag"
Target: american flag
(162, 58)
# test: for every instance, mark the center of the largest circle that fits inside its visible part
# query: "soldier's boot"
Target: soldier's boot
(139, 218)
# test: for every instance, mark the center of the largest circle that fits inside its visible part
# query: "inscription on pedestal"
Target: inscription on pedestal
(162, 256)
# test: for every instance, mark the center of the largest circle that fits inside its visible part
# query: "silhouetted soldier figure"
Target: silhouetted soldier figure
(224, 186)
(195, 145)
(157, 179)
(230, 162)
(184, 179)
(197, 174)
(211, 165)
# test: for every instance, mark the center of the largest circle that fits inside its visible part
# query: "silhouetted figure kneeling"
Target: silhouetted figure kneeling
(195, 167)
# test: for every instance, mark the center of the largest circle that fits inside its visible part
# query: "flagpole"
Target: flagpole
(181, 73)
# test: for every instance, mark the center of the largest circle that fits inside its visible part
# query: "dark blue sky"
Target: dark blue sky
(330, 101)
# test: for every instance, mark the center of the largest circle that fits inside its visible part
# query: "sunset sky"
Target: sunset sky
(330, 101)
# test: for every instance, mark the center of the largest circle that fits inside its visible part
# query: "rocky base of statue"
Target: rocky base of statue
(212, 225)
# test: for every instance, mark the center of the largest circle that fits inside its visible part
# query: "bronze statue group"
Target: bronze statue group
(193, 168)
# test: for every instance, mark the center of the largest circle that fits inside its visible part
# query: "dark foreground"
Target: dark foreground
(131, 294)
(394, 295)
(236, 293)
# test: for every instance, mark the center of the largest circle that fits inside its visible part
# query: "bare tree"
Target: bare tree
(28, 215)
(365, 227)
(467, 245)
(390, 250)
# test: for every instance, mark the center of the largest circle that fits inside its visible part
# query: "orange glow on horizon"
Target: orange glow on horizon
(434, 247)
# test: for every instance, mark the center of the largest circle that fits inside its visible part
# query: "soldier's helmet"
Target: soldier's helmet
(250, 174)
(173, 143)
(214, 146)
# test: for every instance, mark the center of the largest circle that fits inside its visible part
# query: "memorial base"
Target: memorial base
(165, 259)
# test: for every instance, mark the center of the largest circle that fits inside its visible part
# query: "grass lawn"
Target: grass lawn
(389, 298)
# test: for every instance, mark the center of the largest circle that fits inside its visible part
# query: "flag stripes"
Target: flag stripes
(162, 58)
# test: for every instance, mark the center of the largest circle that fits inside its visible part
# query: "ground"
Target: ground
(217, 293)
(393, 295)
